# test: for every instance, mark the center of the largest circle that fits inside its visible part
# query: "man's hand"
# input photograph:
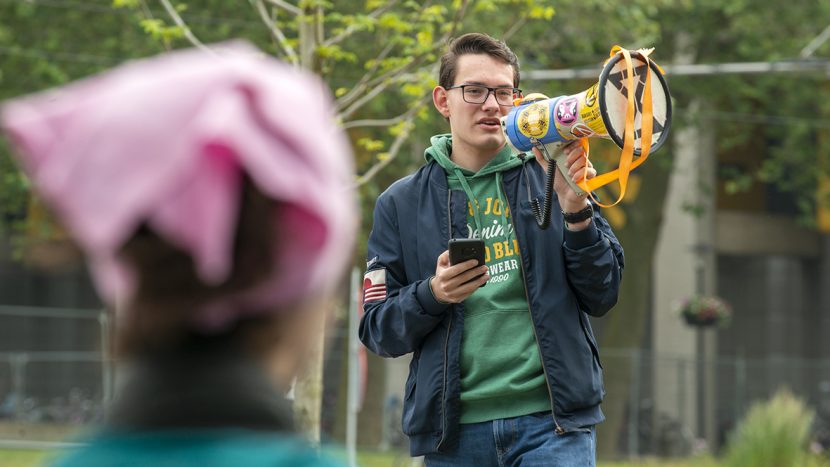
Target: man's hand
(568, 199)
(449, 285)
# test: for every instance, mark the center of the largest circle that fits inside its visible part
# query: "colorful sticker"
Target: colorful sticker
(566, 111)
(533, 120)
(590, 113)
(591, 95)
(581, 131)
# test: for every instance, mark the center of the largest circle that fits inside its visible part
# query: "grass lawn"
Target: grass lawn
(22, 458)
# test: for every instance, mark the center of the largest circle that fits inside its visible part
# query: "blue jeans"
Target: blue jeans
(526, 441)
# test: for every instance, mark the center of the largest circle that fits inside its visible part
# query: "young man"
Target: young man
(505, 369)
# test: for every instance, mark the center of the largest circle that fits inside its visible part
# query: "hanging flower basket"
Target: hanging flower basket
(703, 310)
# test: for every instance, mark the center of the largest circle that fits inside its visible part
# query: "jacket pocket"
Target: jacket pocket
(589, 336)
(424, 388)
(409, 396)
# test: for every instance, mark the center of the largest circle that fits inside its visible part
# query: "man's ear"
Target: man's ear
(439, 100)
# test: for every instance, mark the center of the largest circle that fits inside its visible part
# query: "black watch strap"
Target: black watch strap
(579, 216)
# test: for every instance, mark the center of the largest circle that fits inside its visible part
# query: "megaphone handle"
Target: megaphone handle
(555, 149)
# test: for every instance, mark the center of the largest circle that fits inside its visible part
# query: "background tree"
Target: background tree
(378, 58)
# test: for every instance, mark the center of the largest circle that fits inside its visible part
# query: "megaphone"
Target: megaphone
(608, 109)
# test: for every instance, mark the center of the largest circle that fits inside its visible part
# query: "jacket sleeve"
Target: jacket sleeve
(594, 263)
(394, 323)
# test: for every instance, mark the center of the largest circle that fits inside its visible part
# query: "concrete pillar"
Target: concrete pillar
(685, 265)
(675, 270)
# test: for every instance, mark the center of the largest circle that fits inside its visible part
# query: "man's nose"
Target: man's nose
(491, 102)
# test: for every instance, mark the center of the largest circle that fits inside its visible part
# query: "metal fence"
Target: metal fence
(659, 405)
(678, 405)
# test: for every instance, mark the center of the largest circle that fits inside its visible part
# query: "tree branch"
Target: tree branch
(456, 21)
(277, 33)
(294, 10)
(361, 85)
(384, 81)
(514, 29)
(145, 10)
(396, 145)
(410, 115)
(180, 23)
(375, 122)
(352, 101)
(363, 100)
(352, 28)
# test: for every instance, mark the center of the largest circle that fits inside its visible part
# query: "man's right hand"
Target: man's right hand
(450, 283)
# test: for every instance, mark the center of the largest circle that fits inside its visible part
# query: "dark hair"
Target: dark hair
(475, 43)
(169, 290)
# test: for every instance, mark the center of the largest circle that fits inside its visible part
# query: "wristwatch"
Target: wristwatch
(579, 216)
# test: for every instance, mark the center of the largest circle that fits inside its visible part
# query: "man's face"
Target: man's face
(476, 126)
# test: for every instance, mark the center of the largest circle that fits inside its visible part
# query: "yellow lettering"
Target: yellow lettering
(507, 250)
(516, 246)
(489, 206)
(499, 250)
(497, 208)
(486, 254)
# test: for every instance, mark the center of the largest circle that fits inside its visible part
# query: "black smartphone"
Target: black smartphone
(464, 249)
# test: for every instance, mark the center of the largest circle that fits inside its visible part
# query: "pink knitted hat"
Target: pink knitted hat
(166, 141)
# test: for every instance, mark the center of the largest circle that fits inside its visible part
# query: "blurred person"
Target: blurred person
(211, 196)
(505, 369)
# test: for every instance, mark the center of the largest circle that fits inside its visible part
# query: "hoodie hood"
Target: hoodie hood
(441, 150)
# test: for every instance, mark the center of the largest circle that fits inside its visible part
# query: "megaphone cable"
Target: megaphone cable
(542, 215)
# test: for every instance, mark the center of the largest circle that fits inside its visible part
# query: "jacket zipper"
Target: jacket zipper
(559, 430)
(446, 344)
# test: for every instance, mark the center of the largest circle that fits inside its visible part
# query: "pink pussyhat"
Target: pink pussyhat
(167, 141)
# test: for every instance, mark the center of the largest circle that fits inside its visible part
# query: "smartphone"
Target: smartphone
(464, 249)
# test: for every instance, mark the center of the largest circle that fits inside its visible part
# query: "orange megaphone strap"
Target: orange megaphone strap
(627, 162)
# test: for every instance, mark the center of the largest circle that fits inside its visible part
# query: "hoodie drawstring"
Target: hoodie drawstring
(504, 208)
(474, 203)
(470, 197)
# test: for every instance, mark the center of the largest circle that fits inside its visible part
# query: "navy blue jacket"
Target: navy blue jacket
(567, 275)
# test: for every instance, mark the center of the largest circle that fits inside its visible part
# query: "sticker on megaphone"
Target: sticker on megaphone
(601, 111)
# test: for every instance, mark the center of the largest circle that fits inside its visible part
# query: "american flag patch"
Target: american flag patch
(374, 285)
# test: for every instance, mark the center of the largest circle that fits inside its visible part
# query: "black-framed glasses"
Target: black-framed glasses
(478, 94)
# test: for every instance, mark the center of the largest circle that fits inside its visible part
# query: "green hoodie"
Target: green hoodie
(501, 370)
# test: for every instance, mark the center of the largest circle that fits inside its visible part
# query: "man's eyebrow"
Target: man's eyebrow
(479, 83)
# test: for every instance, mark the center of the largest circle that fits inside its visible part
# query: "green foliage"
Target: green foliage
(46, 44)
(773, 434)
(396, 44)
(126, 3)
(158, 29)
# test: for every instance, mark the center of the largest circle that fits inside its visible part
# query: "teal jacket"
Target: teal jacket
(203, 448)
(206, 406)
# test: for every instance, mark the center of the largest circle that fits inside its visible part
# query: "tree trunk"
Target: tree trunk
(308, 392)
